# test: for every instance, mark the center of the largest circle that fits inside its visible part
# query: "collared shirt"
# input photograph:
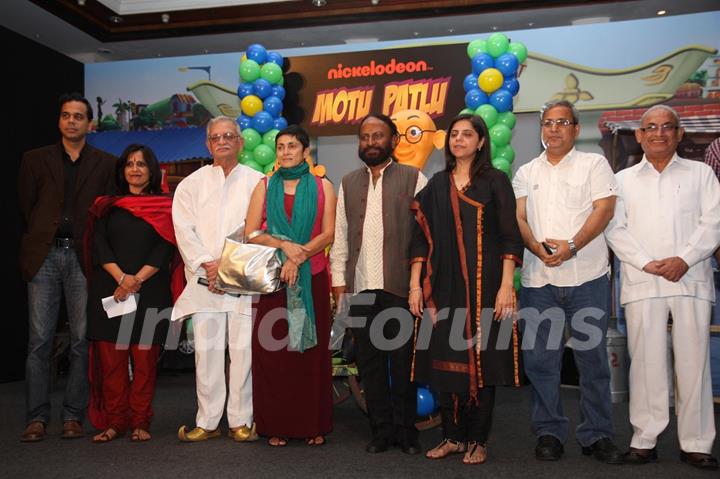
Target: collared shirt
(662, 215)
(207, 207)
(559, 201)
(369, 270)
(70, 169)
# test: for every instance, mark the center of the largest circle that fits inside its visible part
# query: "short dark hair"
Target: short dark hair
(296, 132)
(383, 118)
(155, 185)
(563, 104)
(68, 97)
(482, 161)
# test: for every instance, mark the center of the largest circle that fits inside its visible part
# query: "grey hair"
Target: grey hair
(563, 103)
(219, 119)
(660, 107)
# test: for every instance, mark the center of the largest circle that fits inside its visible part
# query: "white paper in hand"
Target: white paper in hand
(114, 309)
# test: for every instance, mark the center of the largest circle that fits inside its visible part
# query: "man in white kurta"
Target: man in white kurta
(665, 229)
(208, 205)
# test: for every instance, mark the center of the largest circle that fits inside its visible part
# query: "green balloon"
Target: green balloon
(517, 279)
(466, 111)
(251, 139)
(493, 149)
(254, 165)
(269, 167)
(488, 113)
(475, 47)
(506, 153)
(502, 165)
(249, 70)
(244, 156)
(271, 72)
(497, 44)
(519, 50)
(500, 135)
(507, 118)
(269, 138)
(264, 155)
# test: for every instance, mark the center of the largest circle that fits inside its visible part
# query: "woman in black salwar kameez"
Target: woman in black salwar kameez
(466, 246)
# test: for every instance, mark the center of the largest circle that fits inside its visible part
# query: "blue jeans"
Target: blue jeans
(61, 269)
(543, 343)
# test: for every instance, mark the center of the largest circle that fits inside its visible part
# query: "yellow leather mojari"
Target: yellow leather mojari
(196, 435)
(243, 434)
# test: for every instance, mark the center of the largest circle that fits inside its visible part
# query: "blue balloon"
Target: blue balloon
(244, 121)
(502, 100)
(507, 64)
(278, 91)
(257, 53)
(275, 58)
(262, 122)
(280, 123)
(512, 85)
(273, 105)
(481, 62)
(474, 98)
(425, 402)
(263, 88)
(245, 89)
(470, 82)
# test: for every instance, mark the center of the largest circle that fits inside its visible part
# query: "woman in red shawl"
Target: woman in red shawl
(130, 250)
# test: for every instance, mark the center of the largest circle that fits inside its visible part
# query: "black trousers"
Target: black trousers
(470, 422)
(385, 368)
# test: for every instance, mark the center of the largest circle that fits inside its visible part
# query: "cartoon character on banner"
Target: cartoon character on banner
(418, 137)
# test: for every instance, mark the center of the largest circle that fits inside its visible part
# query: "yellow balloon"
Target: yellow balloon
(489, 80)
(251, 104)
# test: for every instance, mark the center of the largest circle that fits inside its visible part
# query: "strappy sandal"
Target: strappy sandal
(140, 435)
(277, 441)
(107, 435)
(479, 451)
(457, 448)
(316, 441)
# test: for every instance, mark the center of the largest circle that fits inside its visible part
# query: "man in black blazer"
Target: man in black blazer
(57, 185)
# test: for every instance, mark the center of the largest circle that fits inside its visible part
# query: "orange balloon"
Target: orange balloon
(490, 80)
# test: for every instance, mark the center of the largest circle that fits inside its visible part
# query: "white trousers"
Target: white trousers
(212, 332)
(647, 344)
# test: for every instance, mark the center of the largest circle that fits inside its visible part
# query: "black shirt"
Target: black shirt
(70, 169)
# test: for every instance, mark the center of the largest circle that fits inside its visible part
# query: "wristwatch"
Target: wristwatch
(573, 248)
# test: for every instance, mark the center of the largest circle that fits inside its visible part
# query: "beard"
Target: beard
(375, 155)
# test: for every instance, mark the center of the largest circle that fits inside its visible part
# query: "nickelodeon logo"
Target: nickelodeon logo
(374, 69)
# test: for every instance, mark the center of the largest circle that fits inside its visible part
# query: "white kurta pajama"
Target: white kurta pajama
(207, 207)
(661, 215)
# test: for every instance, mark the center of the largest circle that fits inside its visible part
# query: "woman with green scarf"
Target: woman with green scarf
(291, 364)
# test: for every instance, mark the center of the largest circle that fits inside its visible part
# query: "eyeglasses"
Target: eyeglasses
(414, 134)
(664, 128)
(225, 136)
(560, 123)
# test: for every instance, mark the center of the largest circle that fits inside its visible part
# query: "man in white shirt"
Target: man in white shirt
(370, 255)
(565, 198)
(665, 229)
(208, 205)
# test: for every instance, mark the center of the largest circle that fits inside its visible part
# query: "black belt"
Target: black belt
(64, 242)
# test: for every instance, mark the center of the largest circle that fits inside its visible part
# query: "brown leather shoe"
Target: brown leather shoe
(72, 430)
(699, 460)
(34, 432)
(640, 456)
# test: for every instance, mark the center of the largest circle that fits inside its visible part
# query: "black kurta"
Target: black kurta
(460, 273)
(123, 238)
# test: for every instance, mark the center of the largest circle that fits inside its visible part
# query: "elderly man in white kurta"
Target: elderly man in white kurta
(665, 229)
(208, 205)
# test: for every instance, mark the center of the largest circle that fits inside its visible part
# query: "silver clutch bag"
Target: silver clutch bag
(247, 268)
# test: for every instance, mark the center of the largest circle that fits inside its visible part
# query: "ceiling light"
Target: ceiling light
(451, 30)
(530, 24)
(661, 12)
(375, 2)
(81, 3)
(415, 34)
(104, 51)
(165, 17)
(116, 19)
(319, 3)
(590, 20)
(494, 29)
